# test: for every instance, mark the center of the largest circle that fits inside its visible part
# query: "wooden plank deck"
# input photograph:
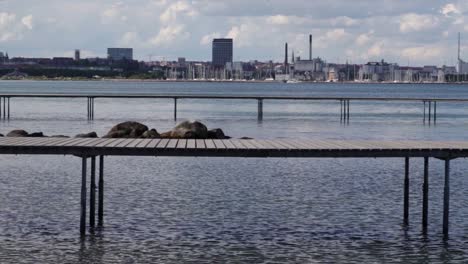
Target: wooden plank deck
(232, 148)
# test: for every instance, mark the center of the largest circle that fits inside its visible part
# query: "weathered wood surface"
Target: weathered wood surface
(232, 147)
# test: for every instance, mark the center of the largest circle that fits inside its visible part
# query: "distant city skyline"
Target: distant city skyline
(420, 32)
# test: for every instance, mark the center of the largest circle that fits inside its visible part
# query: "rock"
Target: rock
(59, 136)
(151, 134)
(1, 135)
(217, 133)
(246, 138)
(17, 133)
(127, 130)
(189, 129)
(87, 135)
(36, 134)
(166, 134)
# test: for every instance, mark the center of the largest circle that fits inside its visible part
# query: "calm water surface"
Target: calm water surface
(224, 210)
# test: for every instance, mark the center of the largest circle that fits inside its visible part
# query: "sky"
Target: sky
(415, 32)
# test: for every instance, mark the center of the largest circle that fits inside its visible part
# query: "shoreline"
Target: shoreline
(226, 81)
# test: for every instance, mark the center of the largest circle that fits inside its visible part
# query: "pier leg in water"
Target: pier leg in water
(92, 194)
(260, 109)
(0, 107)
(435, 111)
(406, 194)
(83, 198)
(424, 113)
(341, 110)
(4, 107)
(175, 109)
(430, 111)
(101, 192)
(348, 112)
(446, 199)
(8, 108)
(425, 195)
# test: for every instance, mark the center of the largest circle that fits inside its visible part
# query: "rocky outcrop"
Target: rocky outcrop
(216, 133)
(17, 133)
(151, 134)
(59, 136)
(127, 130)
(187, 129)
(1, 135)
(87, 135)
(36, 134)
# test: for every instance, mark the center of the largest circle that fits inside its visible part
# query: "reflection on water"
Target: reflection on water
(224, 210)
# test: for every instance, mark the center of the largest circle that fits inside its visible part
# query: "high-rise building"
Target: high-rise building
(120, 54)
(77, 55)
(222, 52)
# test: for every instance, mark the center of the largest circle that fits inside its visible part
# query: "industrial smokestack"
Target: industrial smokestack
(286, 58)
(310, 47)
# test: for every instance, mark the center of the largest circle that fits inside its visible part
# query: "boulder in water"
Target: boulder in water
(189, 129)
(127, 130)
(217, 133)
(151, 134)
(59, 136)
(17, 133)
(87, 135)
(36, 134)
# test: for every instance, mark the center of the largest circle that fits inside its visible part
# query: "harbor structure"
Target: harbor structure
(97, 148)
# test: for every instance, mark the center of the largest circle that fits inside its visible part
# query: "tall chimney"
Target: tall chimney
(286, 58)
(310, 47)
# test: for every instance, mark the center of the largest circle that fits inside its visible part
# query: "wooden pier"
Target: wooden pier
(284, 148)
(429, 110)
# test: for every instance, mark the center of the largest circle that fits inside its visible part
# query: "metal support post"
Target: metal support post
(175, 109)
(425, 203)
(446, 198)
(83, 198)
(92, 193)
(406, 194)
(101, 192)
(260, 109)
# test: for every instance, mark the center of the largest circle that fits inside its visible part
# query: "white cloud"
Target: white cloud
(277, 20)
(376, 50)
(181, 7)
(363, 39)
(114, 14)
(414, 22)
(130, 39)
(422, 52)
(28, 21)
(11, 29)
(169, 34)
(449, 10)
(206, 40)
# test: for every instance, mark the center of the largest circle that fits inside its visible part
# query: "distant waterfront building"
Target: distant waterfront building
(3, 57)
(462, 67)
(222, 52)
(77, 55)
(117, 54)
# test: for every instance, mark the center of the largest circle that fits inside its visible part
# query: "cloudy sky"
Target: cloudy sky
(406, 31)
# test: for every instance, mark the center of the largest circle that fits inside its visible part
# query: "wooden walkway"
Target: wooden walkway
(278, 148)
(429, 104)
